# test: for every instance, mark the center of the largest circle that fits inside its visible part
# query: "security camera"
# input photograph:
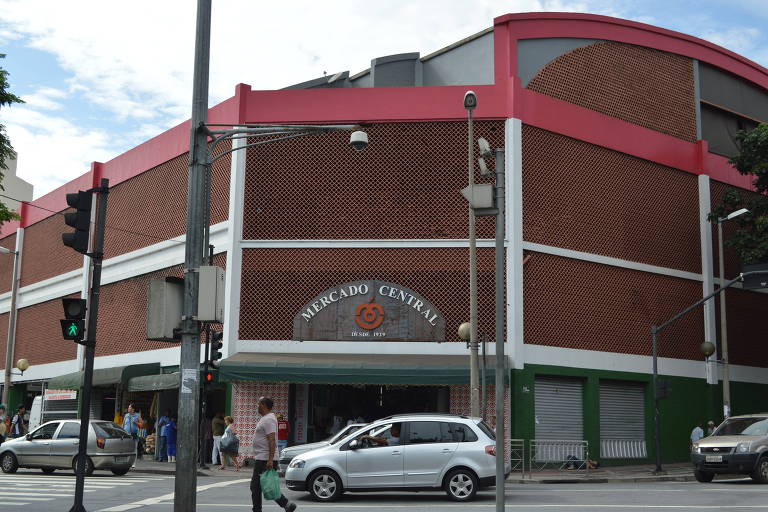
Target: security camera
(485, 148)
(358, 140)
(470, 100)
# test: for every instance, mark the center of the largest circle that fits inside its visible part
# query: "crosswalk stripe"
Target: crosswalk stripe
(37, 497)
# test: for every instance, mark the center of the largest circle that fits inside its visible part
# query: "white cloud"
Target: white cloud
(45, 98)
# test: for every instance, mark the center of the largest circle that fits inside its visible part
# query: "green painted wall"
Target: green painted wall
(17, 395)
(691, 401)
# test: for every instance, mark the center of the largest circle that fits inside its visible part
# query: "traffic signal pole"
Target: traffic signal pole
(97, 257)
(185, 489)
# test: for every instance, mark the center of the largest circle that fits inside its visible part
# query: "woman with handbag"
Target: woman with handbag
(229, 445)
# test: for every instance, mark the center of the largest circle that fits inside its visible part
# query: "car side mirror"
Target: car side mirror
(354, 445)
(28, 437)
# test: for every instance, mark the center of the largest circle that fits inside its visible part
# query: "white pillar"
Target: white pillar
(513, 147)
(707, 272)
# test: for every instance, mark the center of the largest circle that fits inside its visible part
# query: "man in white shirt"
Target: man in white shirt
(264, 449)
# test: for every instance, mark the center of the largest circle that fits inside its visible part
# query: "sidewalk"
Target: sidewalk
(149, 466)
(680, 472)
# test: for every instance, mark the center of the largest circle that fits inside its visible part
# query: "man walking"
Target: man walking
(131, 425)
(162, 440)
(264, 447)
(18, 425)
(217, 425)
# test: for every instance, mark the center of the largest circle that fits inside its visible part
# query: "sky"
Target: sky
(100, 77)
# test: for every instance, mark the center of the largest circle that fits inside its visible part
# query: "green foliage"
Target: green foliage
(6, 150)
(751, 237)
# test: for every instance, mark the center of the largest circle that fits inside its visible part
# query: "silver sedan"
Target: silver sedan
(54, 446)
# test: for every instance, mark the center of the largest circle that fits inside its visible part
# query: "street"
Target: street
(35, 492)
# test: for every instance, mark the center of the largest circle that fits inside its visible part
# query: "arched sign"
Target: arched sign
(369, 311)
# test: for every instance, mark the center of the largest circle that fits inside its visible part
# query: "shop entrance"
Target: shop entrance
(331, 406)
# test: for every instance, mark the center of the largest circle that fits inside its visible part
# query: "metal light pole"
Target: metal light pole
(470, 103)
(185, 495)
(11, 343)
(723, 326)
(500, 317)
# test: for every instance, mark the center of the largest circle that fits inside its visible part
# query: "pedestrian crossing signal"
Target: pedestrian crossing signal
(72, 329)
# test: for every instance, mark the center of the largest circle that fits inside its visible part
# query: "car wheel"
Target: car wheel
(325, 485)
(461, 485)
(760, 474)
(121, 471)
(703, 476)
(88, 466)
(48, 471)
(9, 463)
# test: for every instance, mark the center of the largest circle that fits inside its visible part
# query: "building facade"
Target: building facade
(346, 272)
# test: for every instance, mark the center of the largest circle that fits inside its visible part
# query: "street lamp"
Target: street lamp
(723, 327)
(10, 345)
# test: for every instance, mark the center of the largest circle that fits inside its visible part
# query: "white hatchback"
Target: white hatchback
(410, 452)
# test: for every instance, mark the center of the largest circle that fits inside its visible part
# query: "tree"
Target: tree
(751, 237)
(6, 150)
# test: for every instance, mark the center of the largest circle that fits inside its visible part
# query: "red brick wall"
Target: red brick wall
(647, 87)
(581, 305)
(587, 198)
(277, 283)
(45, 255)
(38, 334)
(404, 185)
(747, 330)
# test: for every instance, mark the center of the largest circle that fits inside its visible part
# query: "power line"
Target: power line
(138, 233)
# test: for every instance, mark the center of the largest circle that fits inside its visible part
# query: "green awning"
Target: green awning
(104, 376)
(154, 382)
(393, 369)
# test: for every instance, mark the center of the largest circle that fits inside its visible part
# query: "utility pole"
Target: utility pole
(500, 317)
(185, 497)
(470, 103)
(97, 256)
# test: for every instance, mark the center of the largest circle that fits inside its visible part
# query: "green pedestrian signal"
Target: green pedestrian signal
(72, 329)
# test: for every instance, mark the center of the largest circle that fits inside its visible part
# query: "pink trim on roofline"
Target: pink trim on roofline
(506, 98)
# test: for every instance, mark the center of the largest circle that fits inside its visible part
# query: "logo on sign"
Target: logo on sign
(369, 315)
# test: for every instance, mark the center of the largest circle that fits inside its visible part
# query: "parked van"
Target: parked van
(58, 405)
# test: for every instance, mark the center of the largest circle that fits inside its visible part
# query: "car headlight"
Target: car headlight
(742, 448)
(296, 464)
(695, 448)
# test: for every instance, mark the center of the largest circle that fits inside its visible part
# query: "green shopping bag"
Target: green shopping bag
(270, 484)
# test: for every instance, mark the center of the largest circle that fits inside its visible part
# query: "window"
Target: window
(109, 430)
(458, 432)
(46, 431)
(487, 430)
(422, 432)
(70, 430)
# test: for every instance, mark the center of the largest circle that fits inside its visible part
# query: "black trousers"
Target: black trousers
(258, 468)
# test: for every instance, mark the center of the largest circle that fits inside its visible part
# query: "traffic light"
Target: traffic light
(73, 327)
(216, 345)
(80, 220)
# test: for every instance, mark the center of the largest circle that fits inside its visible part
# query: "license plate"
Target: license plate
(121, 459)
(714, 458)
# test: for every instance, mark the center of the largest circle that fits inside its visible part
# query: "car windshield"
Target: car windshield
(343, 433)
(487, 430)
(743, 427)
(109, 430)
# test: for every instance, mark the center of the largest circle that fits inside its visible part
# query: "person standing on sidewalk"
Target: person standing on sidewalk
(696, 434)
(283, 428)
(162, 442)
(2, 423)
(18, 425)
(218, 425)
(264, 448)
(131, 425)
(170, 434)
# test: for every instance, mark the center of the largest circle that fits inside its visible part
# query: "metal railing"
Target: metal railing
(516, 455)
(623, 449)
(558, 454)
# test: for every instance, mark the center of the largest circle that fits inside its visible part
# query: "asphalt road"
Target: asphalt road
(32, 491)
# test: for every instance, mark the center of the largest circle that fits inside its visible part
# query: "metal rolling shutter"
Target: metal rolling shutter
(622, 420)
(559, 410)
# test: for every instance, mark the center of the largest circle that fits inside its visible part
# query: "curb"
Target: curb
(605, 480)
(151, 471)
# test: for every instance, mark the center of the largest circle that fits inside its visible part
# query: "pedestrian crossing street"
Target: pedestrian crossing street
(32, 489)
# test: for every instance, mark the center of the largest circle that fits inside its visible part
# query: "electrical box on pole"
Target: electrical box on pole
(210, 299)
(164, 308)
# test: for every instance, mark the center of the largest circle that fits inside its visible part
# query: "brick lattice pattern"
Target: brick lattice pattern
(640, 85)
(48, 256)
(405, 185)
(582, 305)
(38, 334)
(583, 197)
(277, 283)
